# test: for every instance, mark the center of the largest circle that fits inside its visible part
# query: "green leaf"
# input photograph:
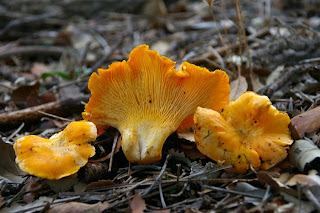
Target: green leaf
(55, 73)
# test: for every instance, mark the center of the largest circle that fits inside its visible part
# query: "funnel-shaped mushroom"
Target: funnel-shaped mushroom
(249, 131)
(59, 156)
(146, 99)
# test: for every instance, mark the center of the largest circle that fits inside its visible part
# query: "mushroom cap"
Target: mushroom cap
(146, 99)
(249, 131)
(59, 156)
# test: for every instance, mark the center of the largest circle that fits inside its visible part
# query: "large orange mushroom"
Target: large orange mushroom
(59, 156)
(146, 99)
(249, 131)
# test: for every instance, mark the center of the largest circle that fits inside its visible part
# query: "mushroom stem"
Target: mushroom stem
(143, 143)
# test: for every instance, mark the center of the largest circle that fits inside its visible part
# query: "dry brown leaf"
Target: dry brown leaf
(312, 179)
(26, 95)
(238, 87)
(137, 204)
(306, 122)
(100, 183)
(76, 207)
(8, 167)
(39, 68)
(265, 178)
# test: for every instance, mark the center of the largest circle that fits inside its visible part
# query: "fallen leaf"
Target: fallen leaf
(265, 178)
(275, 74)
(98, 184)
(76, 207)
(137, 204)
(305, 155)
(39, 68)
(8, 167)
(248, 188)
(21, 207)
(238, 87)
(312, 179)
(26, 95)
(306, 122)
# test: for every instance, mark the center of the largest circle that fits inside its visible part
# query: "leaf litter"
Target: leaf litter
(46, 68)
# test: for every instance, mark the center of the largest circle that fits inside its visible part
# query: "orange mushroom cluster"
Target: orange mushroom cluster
(59, 156)
(248, 132)
(146, 99)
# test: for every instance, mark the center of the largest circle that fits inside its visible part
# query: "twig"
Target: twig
(184, 201)
(14, 133)
(311, 197)
(181, 191)
(32, 50)
(215, 20)
(286, 77)
(159, 176)
(232, 192)
(163, 202)
(263, 201)
(206, 173)
(115, 141)
(54, 116)
(61, 108)
(106, 56)
(24, 20)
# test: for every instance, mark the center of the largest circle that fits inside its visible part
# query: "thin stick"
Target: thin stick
(24, 20)
(163, 202)
(63, 108)
(311, 197)
(54, 116)
(14, 133)
(159, 176)
(115, 141)
(217, 26)
(206, 173)
(232, 192)
(243, 33)
(181, 192)
(32, 50)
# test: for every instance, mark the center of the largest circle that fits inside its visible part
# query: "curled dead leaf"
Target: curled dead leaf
(137, 204)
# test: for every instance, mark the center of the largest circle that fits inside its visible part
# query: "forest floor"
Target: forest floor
(49, 49)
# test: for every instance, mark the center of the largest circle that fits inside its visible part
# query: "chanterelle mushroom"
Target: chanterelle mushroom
(249, 131)
(146, 99)
(59, 156)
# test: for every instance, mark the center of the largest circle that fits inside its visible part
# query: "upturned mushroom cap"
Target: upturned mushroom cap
(249, 131)
(59, 156)
(146, 99)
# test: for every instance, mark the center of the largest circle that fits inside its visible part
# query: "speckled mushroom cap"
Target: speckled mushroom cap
(146, 99)
(249, 131)
(59, 156)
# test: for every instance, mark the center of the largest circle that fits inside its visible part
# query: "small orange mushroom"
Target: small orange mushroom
(59, 156)
(249, 131)
(146, 99)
